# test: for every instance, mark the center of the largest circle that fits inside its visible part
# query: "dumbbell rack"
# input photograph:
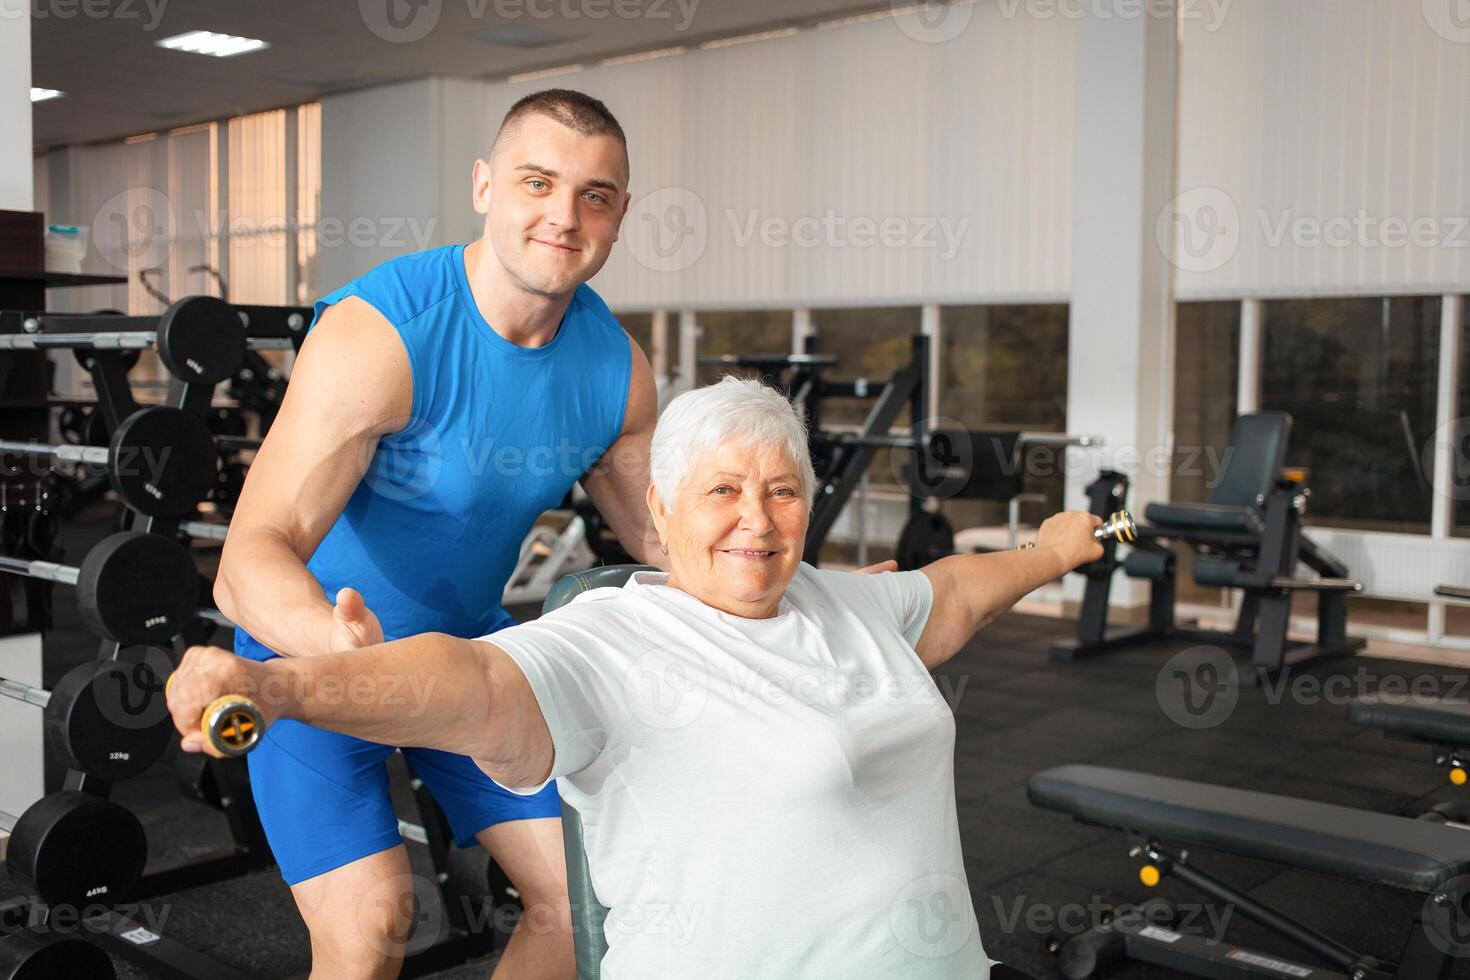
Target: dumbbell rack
(250, 851)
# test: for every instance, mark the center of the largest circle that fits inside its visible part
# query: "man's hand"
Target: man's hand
(1069, 534)
(353, 623)
(208, 673)
(883, 566)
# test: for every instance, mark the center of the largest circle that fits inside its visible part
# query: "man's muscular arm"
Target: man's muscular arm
(350, 386)
(618, 483)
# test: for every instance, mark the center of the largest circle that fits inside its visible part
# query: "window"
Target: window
(1006, 366)
(639, 326)
(1206, 376)
(744, 332)
(1358, 377)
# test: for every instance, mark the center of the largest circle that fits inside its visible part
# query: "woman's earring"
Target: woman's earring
(663, 547)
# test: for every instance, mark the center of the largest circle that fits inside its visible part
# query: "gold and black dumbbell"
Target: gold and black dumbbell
(1119, 526)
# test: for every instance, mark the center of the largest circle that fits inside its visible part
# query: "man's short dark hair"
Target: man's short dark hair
(575, 110)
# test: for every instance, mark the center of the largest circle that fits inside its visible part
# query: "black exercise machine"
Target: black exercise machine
(1248, 536)
(1442, 725)
(1161, 816)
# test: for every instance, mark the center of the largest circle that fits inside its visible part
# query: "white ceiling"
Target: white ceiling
(118, 82)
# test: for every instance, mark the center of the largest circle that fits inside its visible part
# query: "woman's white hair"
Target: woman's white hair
(739, 409)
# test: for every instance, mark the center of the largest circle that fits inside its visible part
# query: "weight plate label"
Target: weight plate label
(140, 936)
(1266, 963)
(1159, 935)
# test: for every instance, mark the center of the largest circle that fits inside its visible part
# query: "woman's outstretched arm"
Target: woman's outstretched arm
(431, 690)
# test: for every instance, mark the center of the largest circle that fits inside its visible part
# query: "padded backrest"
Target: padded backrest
(1253, 459)
(588, 914)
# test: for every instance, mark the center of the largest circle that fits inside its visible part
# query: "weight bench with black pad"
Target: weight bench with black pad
(1159, 815)
(1442, 724)
(1248, 536)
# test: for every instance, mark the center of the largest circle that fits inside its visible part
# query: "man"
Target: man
(440, 404)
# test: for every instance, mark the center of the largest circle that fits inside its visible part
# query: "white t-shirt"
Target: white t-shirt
(766, 798)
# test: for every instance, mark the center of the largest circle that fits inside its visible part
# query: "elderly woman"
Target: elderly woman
(764, 767)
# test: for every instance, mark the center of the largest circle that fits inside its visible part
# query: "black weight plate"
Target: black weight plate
(109, 719)
(75, 849)
(13, 523)
(42, 527)
(926, 538)
(70, 422)
(137, 588)
(201, 340)
(229, 481)
(94, 429)
(162, 461)
(29, 956)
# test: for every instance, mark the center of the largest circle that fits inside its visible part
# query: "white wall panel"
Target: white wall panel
(963, 148)
(1350, 112)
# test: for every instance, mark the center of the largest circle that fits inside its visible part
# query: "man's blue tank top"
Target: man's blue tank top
(497, 435)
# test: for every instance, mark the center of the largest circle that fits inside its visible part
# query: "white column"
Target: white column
(17, 174)
(1446, 411)
(1248, 381)
(659, 341)
(801, 329)
(1119, 379)
(688, 350)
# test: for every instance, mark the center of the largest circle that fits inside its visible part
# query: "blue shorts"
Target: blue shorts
(323, 797)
